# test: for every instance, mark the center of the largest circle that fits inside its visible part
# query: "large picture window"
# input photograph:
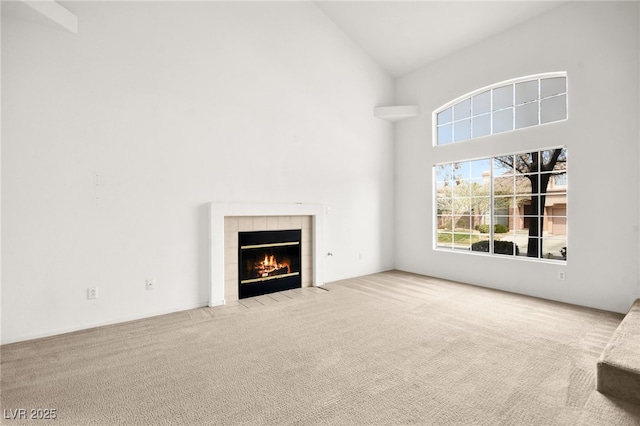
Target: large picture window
(505, 205)
(520, 103)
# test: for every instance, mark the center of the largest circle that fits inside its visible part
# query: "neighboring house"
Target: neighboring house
(555, 209)
(515, 217)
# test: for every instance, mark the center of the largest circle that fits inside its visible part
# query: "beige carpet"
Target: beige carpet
(390, 348)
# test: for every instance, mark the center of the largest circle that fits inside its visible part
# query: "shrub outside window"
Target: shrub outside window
(505, 205)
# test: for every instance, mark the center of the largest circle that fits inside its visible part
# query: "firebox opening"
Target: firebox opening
(268, 261)
(265, 261)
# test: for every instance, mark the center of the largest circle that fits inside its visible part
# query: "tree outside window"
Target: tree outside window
(505, 205)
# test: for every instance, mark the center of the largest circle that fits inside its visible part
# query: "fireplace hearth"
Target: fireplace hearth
(268, 262)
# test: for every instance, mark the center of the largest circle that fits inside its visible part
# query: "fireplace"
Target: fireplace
(227, 219)
(268, 261)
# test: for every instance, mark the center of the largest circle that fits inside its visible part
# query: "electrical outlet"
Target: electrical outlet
(151, 284)
(92, 293)
(561, 275)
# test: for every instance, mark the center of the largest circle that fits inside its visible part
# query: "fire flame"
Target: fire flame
(270, 264)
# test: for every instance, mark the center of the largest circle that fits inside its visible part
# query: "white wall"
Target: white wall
(0, 179)
(597, 44)
(115, 139)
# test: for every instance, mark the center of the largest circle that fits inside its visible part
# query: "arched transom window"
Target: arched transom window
(512, 105)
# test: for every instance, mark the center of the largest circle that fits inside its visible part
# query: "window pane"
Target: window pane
(528, 205)
(527, 115)
(547, 154)
(502, 228)
(503, 97)
(461, 206)
(461, 241)
(445, 205)
(526, 91)
(503, 165)
(477, 184)
(463, 224)
(503, 185)
(504, 246)
(555, 225)
(462, 189)
(528, 182)
(482, 103)
(482, 231)
(548, 177)
(461, 170)
(462, 110)
(480, 238)
(502, 218)
(480, 206)
(554, 248)
(445, 239)
(446, 192)
(481, 245)
(443, 172)
(445, 116)
(561, 161)
(503, 120)
(527, 162)
(529, 246)
(502, 204)
(445, 134)
(560, 180)
(523, 184)
(553, 109)
(481, 169)
(444, 222)
(461, 229)
(481, 125)
(553, 86)
(462, 130)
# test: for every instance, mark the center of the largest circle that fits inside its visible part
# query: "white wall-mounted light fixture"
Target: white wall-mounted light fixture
(396, 113)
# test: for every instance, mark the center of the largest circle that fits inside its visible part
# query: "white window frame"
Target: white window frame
(491, 88)
(492, 214)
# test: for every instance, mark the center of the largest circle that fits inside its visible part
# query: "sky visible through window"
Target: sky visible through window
(507, 106)
(511, 204)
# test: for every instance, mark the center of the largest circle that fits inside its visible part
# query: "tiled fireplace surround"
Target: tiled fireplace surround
(229, 219)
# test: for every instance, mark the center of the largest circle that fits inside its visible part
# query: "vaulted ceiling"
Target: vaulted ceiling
(402, 36)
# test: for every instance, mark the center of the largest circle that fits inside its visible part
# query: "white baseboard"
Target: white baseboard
(65, 330)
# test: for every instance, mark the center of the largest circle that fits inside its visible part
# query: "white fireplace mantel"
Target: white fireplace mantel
(221, 210)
